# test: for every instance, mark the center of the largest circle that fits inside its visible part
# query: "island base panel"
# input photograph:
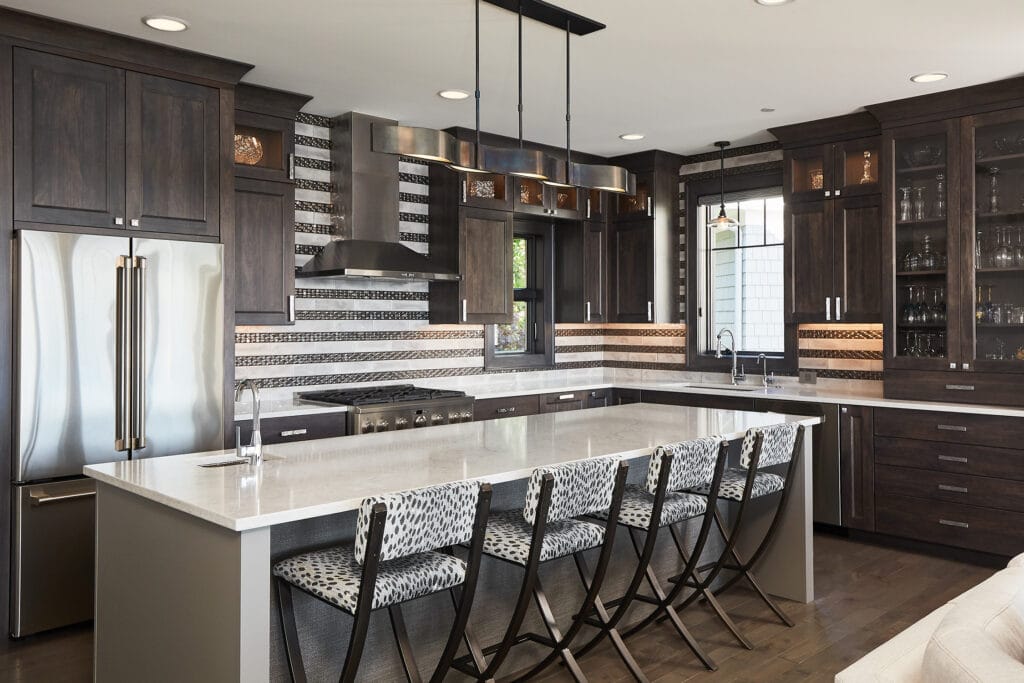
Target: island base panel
(177, 598)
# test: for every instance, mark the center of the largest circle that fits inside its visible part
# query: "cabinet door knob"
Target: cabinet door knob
(838, 192)
(828, 193)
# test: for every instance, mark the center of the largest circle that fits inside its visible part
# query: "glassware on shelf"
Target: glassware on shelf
(979, 307)
(940, 196)
(937, 312)
(911, 261)
(929, 259)
(1018, 250)
(989, 306)
(867, 176)
(979, 253)
(1003, 256)
(993, 190)
(919, 213)
(905, 206)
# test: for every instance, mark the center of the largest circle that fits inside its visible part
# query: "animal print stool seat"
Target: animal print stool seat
(638, 507)
(734, 481)
(509, 535)
(334, 575)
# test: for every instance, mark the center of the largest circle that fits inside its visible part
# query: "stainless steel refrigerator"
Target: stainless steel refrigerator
(118, 355)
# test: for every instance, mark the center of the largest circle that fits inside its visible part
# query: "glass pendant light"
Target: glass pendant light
(723, 222)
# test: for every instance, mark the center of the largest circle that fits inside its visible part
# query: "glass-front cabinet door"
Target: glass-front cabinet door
(925, 330)
(992, 234)
(857, 166)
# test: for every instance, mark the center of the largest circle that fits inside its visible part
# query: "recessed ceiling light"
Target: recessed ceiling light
(453, 94)
(162, 23)
(631, 137)
(767, 110)
(772, 3)
(929, 77)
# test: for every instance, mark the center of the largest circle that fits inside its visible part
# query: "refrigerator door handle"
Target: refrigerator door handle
(139, 353)
(122, 436)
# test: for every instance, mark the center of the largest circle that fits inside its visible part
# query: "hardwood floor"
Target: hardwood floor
(866, 594)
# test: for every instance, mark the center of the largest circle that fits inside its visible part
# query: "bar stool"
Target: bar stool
(771, 446)
(392, 560)
(543, 531)
(664, 502)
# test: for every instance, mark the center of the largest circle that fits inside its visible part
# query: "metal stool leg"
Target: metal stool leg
(412, 670)
(561, 648)
(291, 634)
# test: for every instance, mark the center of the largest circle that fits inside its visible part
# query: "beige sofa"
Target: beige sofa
(978, 637)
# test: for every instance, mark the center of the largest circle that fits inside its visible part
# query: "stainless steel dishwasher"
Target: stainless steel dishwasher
(825, 463)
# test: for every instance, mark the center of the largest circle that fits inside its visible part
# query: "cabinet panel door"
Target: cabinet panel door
(68, 141)
(264, 251)
(629, 207)
(595, 272)
(858, 259)
(631, 294)
(570, 274)
(857, 166)
(807, 172)
(485, 243)
(809, 262)
(857, 463)
(173, 156)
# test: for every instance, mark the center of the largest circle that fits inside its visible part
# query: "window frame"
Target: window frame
(541, 278)
(698, 358)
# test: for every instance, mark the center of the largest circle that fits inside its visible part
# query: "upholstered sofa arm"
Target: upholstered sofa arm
(898, 660)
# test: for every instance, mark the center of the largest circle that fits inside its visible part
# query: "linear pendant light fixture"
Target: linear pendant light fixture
(520, 161)
(438, 146)
(723, 222)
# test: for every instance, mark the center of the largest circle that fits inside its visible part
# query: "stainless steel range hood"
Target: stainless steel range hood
(365, 211)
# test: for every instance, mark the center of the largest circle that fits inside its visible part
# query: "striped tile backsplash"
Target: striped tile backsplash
(351, 331)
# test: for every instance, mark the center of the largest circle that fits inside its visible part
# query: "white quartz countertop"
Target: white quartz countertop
(315, 478)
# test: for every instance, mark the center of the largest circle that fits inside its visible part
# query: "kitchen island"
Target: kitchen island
(184, 552)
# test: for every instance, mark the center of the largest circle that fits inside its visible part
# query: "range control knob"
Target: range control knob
(367, 427)
(420, 421)
(401, 423)
(453, 418)
(437, 419)
(382, 425)
(467, 416)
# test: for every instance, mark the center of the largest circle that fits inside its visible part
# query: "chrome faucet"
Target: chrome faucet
(737, 375)
(254, 451)
(766, 380)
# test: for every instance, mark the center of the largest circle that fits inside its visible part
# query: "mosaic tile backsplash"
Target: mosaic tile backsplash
(351, 331)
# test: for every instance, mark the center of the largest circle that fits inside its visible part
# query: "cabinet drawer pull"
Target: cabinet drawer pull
(950, 522)
(650, 311)
(294, 432)
(951, 428)
(566, 397)
(828, 308)
(959, 387)
(503, 411)
(953, 458)
(952, 489)
(465, 315)
(588, 207)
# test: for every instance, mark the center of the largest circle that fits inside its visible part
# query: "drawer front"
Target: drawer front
(562, 401)
(297, 427)
(981, 430)
(513, 406)
(955, 387)
(621, 397)
(981, 461)
(985, 492)
(964, 526)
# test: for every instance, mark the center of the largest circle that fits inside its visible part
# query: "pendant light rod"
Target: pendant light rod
(476, 93)
(722, 144)
(520, 75)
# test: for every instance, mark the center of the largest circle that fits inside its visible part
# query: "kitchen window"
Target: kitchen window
(529, 339)
(736, 276)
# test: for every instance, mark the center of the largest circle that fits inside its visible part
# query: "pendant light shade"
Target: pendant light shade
(607, 178)
(419, 143)
(723, 222)
(519, 161)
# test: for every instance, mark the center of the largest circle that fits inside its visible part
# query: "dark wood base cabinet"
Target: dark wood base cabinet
(950, 478)
(857, 467)
(955, 387)
(297, 427)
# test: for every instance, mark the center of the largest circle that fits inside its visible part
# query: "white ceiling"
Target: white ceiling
(684, 72)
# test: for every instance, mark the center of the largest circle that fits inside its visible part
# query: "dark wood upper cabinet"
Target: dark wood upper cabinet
(596, 205)
(631, 272)
(809, 264)
(580, 272)
(101, 147)
(642, 204)
(173, 156)
(264, 146)
(857, 467)
(480, 241)
(857, 258)
(264, 252)
(537, 198)
(486, 190)
(69, 141)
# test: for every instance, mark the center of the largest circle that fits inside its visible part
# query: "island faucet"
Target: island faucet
(254, 451)
(737, 376)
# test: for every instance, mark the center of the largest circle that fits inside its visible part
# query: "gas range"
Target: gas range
(397, 406)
